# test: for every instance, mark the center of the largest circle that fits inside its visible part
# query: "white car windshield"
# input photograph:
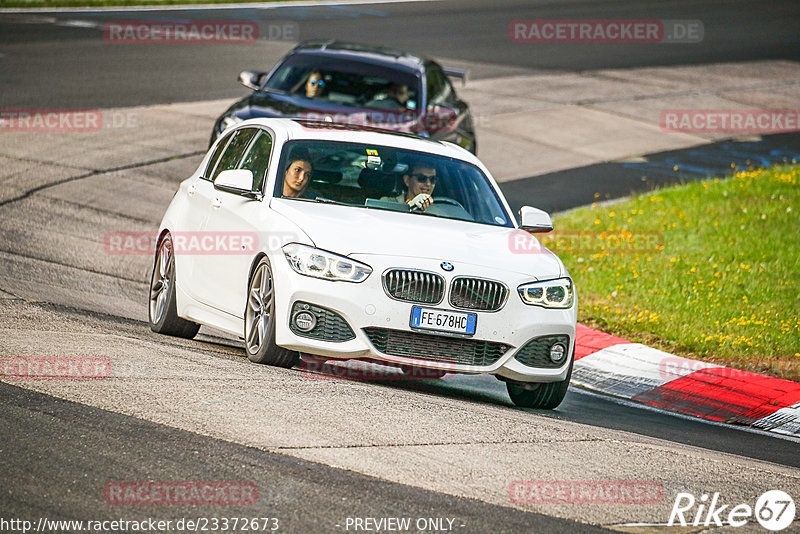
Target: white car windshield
(387, 178)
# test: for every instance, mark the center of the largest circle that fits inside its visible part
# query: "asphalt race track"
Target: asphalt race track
(320, 449)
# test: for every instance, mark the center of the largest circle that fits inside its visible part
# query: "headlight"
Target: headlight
(318, 263)
(557, 293)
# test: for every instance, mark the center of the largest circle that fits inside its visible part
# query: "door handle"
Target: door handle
(216, 202)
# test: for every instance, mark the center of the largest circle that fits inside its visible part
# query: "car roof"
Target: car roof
(307, 129)
(380, 55)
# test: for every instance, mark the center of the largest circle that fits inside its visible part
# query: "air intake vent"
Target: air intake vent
(435, 348)
(414, 286)
(477, 294)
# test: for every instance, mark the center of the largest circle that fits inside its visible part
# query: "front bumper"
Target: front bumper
(367, 309)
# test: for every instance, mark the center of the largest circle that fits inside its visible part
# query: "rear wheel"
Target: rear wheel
(547, 395)
(163, 314)
(259, 321)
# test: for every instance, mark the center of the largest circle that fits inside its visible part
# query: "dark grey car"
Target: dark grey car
(358, 84)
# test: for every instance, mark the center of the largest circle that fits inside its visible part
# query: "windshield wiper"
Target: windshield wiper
(322, 200)
(329, 201)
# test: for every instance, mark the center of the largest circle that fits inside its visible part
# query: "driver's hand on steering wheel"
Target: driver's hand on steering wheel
(422, 201)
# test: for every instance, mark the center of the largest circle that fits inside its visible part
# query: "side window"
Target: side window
(215, 157)
(257, 158)
(439, 88)
(233, 154)
(450, 93)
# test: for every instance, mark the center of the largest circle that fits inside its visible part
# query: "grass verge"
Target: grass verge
(707, 270)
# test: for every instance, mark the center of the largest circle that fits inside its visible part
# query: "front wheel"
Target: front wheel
(545, 396)
(259, 321)
(162, 311)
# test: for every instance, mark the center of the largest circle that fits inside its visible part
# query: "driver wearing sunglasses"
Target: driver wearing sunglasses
(315, 85)
(420, 182)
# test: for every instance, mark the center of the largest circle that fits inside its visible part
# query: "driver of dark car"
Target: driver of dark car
(399, 93)
(315, 85)
(420, 180)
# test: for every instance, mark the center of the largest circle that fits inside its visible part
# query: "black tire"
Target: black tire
(546, 396)
(259, 321)
(162, 310)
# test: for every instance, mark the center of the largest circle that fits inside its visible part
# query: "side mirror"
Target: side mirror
(238, 182)
(534, 220)
(440, 118)
(251, 79)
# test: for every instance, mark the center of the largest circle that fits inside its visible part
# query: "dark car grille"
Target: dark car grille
(477, 294)
(435, 348)
(414, 286)
(536, 352)
(330, 325)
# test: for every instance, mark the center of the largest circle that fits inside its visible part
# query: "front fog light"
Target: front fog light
(558, 352)
(305, 321)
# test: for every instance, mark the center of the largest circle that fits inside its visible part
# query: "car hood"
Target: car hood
(264, 104)
(360, 231)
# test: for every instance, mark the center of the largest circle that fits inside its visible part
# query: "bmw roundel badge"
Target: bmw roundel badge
(447, 266)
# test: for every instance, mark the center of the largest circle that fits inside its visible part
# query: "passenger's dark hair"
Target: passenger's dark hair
(297, 154)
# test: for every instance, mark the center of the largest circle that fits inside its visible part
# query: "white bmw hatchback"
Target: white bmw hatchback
(344, 243)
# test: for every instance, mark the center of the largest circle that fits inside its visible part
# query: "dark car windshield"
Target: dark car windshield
(350, 83)
(378, 177)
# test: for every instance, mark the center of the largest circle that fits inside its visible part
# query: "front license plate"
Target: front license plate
(443, 320)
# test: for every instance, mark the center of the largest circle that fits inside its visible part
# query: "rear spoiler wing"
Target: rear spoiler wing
(457, 73)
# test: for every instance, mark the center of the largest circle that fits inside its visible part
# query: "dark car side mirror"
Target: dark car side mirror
(440, 118)
(251, 79)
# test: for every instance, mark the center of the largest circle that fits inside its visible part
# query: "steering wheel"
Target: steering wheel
(448, 200)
